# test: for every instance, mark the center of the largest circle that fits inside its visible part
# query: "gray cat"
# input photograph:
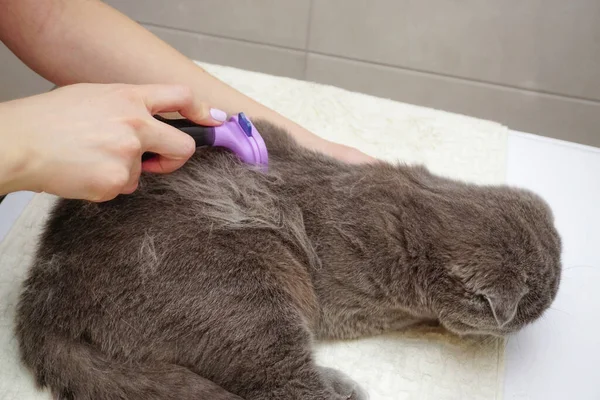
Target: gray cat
(212, 282)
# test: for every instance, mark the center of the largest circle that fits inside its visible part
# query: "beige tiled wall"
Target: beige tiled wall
(533, 65)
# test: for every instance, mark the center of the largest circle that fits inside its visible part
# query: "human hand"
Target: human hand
(85, 141)
(347, 154)
(338, 151)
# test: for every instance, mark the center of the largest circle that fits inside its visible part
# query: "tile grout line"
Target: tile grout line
(477, 82)
(218, 36)
(386, 65)
(307, 42)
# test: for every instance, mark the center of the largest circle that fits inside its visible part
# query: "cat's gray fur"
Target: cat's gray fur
(212, 282)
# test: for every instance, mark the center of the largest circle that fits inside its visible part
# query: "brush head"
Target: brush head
(240, 136)
(237, 134)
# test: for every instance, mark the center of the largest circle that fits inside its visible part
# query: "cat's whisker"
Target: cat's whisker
(483, 342)
(578, 267)
(558, 309)
(520, 351)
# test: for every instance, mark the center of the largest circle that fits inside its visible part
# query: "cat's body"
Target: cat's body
(211, 282)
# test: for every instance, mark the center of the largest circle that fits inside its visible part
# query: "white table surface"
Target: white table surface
(558, 357)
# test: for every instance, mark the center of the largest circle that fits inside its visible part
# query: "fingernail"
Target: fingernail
(218, 115)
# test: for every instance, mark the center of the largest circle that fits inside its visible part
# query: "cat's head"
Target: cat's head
(500, 268)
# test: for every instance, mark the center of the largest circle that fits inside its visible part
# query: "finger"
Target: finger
(134, 178)
(171, 146)
(162, 165)
(166, 141)
(175, 98)
(108, 182)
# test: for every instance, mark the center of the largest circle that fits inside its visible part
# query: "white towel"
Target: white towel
(418, 364)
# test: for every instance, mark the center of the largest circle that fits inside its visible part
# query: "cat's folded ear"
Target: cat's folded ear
(504, 306)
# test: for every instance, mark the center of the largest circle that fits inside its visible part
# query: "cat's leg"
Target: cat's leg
(255, 338)
(343, 384)
(268, 356)
(291, 374)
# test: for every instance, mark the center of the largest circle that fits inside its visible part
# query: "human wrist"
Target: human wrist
(13, 170)
(15, 162)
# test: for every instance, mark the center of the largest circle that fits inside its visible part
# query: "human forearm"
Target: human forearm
(70, 41)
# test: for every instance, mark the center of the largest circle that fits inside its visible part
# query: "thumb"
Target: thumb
(161, 99)
(202, 114)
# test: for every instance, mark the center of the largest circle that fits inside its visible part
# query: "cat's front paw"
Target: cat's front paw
(343, 385)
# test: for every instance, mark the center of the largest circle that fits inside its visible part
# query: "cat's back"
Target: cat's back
(211, 191)
(178, 239)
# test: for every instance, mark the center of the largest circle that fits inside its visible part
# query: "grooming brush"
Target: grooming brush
(237, 134)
